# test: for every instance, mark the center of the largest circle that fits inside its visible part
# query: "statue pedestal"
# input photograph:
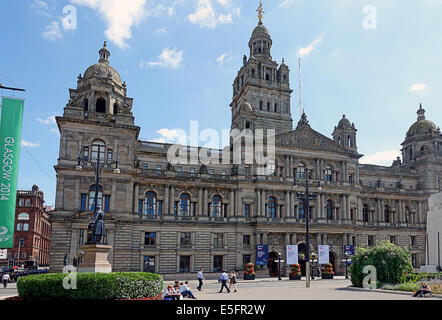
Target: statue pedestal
(95, 258)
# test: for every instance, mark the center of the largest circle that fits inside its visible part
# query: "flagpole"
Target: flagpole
(300, 89)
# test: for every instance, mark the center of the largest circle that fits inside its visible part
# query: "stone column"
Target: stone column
(287, 204)
(232, 204)
(263, 204)
(199, 206)
(172, 200)
(292, 204)
(205, 209)
(166, 200)
(136, 193)
(419, 212)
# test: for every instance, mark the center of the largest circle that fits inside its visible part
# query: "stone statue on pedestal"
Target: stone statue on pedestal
(96, 229)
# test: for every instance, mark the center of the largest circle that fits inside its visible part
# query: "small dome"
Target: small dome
(102, 70)
(260, 31)
(344, 122)
(422, 126)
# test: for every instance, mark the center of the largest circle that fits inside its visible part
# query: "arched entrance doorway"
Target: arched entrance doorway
(302, 257)
(273, 264)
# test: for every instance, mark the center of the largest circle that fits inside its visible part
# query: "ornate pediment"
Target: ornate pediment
(304, 137)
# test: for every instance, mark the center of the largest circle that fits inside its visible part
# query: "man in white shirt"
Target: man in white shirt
(6, 278)
(224, 278)
(200, 279)
(185, 290)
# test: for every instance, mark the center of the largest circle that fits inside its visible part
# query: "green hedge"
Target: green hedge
(91, 286)
(390, 261)
(415, 277)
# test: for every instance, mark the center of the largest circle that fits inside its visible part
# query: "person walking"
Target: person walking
(232, 280)
(200, 279)
(6, 278)
(223, 279)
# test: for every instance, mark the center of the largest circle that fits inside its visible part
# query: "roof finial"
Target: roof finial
(104, 53)
(420, 113)
(260, 12)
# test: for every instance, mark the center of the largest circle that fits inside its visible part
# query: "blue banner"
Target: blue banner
(262, 255)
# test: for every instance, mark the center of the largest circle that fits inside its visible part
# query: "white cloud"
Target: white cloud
(226, 57)
(205, 15)
(170, 59)
(29, 144)
(172, 136)
(48, 120)
(383, 158)
(286, 3)
(161, 30)
(418, 87)
(120, 17)
(305, 51)
(54, 131)
(52, 31)
(41, 8)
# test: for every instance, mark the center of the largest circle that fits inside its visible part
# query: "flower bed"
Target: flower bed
(295, 272)
(249, 274)
(91, 286)
(327, 272)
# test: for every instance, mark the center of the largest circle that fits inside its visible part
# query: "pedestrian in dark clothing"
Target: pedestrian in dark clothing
(200, 279)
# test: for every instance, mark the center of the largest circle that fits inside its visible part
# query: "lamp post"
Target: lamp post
(98, 165)
(279, 266)
(306, 197)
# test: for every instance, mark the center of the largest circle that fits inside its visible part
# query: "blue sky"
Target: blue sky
(179, 59)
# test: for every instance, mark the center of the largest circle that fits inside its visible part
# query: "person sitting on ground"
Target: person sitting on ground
(185, 290)
(168, 293)
(176, 290)
(425, 289)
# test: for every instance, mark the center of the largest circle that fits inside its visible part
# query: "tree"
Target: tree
(389, 260)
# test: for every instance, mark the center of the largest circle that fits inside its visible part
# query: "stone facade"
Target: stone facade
(180, 218)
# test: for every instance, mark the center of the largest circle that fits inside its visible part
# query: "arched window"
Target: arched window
(329, 210)
(271, 208)
(92, 198)
(349, 141)
(23, 216)
(98, 148)
(301, 171)
(101, 105)
(268, 104)
(276, 107)
(387, 213)
(253, 73)
(328, 173)
(260, 105)
(86, 105)
(185, 205)
(216, 206)
(339, 140)
(365, 212)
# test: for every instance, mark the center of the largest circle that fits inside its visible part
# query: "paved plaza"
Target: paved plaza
(272, 289)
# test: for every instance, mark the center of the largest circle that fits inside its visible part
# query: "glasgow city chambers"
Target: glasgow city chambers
(172, 217)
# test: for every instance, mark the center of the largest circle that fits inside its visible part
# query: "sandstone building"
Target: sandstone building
(179, 218)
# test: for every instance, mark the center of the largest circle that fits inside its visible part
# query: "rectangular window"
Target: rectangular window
(175, 207)
(150, 238)
(86, 153)
(21, 242)
(19, 227)
(27, 202)
(247, 171)
(21, 202)
(184, 263)
(413, 240)
(247, 211)
(83, 202)
(301, 211)
(246, 241)
(217, 263)
(246, 258)
(149, 264)
(106, 203)
(370, 241)
(192, 171)
(219, 240)
(25, 226)
(140, 207)
(160, 208)
(159, 168)
(186, 239)
(392, 239)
